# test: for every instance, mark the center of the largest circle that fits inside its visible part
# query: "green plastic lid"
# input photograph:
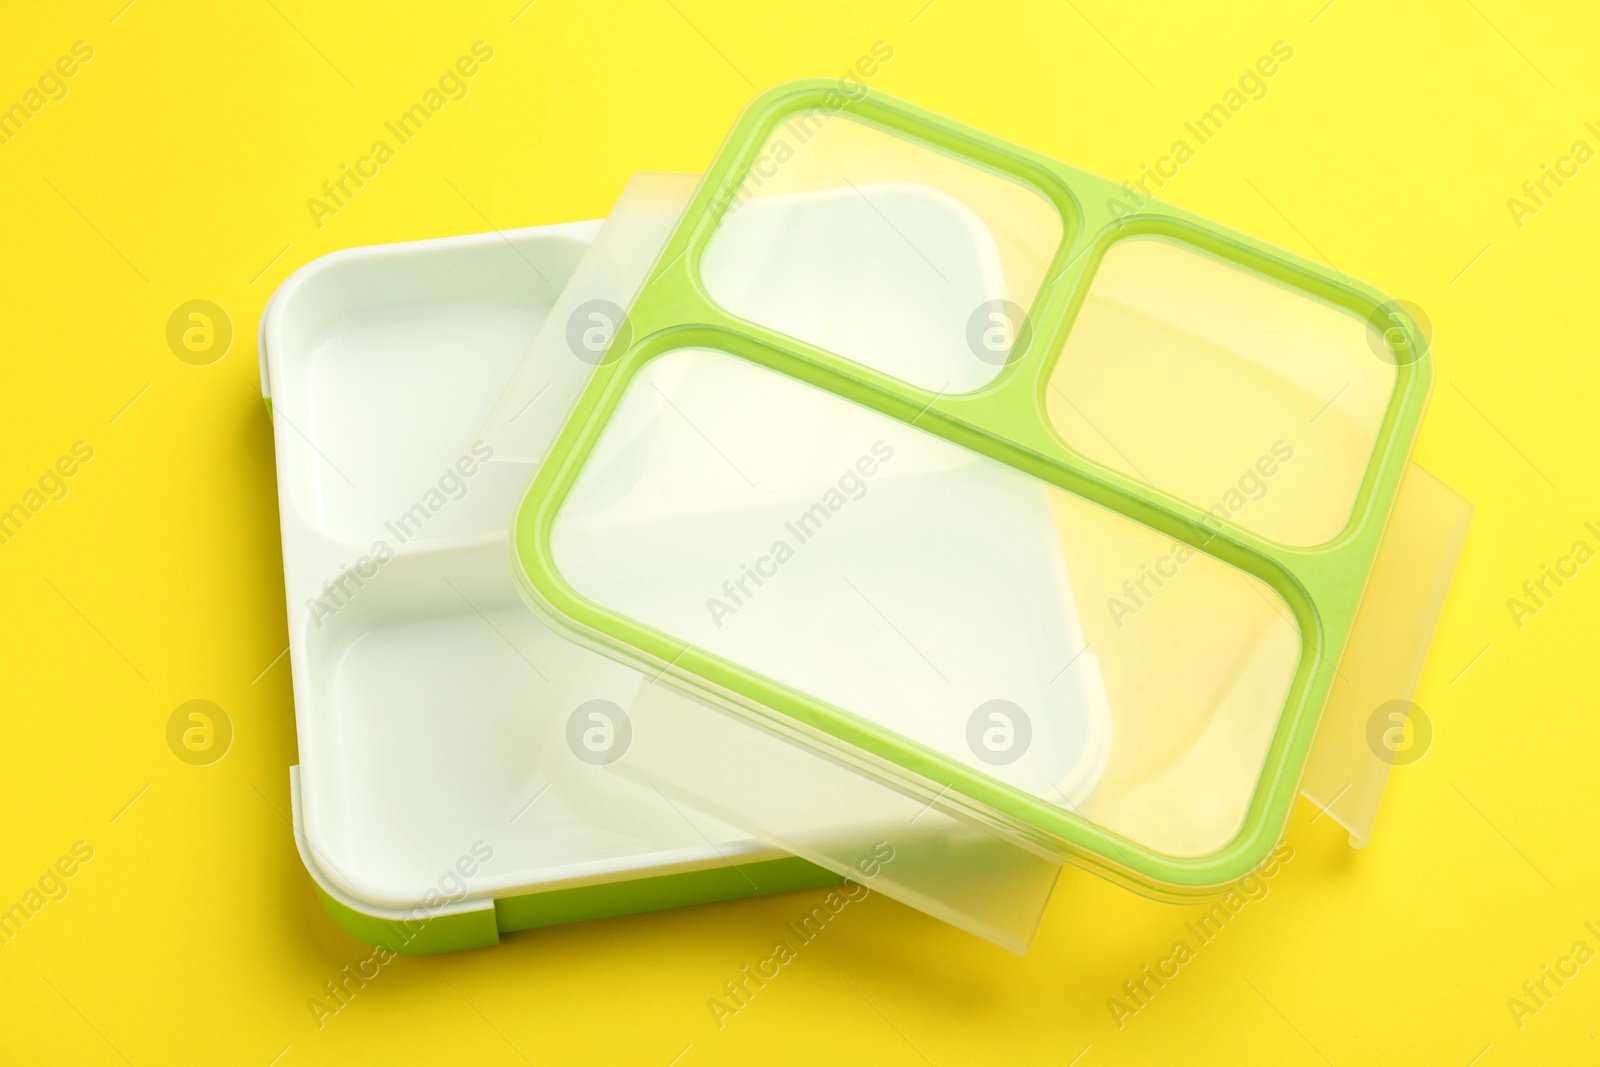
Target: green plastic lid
(966, 514)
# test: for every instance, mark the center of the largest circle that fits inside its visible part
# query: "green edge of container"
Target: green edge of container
(479, 929)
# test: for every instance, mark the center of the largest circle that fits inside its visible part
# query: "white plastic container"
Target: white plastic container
(438, 801)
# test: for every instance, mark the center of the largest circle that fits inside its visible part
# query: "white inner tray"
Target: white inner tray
(431, 705)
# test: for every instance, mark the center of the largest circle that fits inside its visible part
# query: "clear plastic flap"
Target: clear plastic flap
(694, 755)
(588, 316)
(892, 615)
(1371, 723)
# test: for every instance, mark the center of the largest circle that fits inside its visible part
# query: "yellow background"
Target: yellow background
(178, 167)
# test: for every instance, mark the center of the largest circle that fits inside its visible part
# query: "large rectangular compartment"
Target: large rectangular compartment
(449, 787)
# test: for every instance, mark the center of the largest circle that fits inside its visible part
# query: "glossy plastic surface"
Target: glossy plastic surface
(970, 544)
(438, 773)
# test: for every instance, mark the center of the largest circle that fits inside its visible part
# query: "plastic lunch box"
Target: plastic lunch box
(927, 515)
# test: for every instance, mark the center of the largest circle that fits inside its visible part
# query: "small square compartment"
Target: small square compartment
(1247, 398)
(883, 251)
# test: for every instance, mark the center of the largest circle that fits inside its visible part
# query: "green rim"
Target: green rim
(425, 936)
(1005, 420)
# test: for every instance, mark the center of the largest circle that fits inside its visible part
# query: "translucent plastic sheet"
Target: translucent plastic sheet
(588, 316)
(1383, 661)
(904, 844)
(888, 616)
